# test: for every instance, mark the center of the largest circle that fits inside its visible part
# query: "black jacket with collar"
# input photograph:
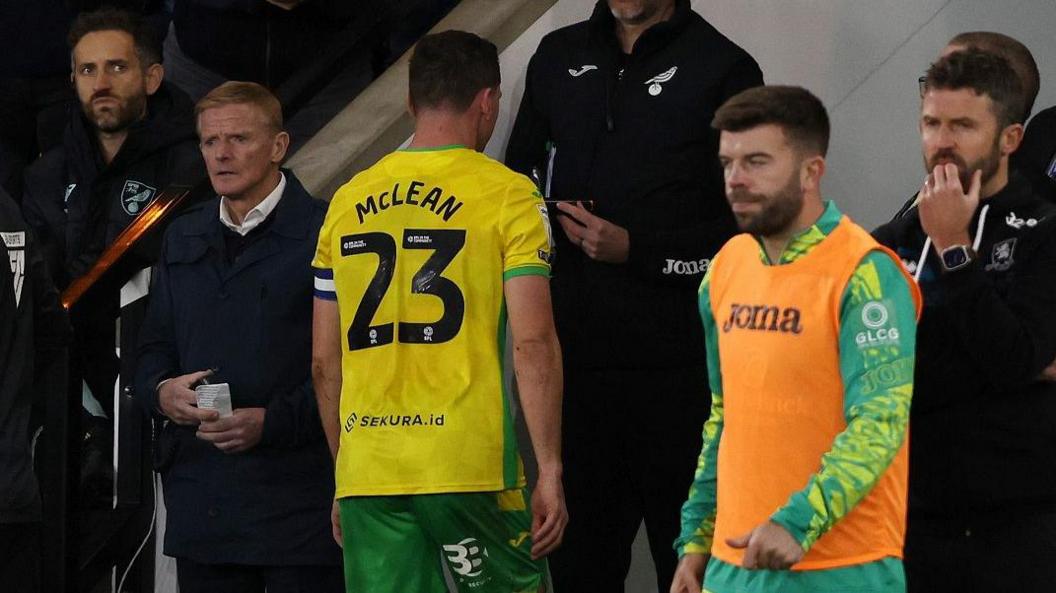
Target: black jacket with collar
(77, 205)
(34, 332)
(634, 135)
(252, 320)
(983, 425)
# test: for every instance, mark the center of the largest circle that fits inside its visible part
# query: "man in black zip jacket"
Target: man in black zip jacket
(617, 110)
(1039, 141)
(982, 242)
(132, 138)
(34, 332)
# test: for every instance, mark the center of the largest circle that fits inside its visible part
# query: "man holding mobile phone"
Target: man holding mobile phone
(616, 110)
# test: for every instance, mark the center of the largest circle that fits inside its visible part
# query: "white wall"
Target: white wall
(862, 57)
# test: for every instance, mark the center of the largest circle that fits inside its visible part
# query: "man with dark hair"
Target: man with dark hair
(34, 332)
(615, 113)
(1019, 59)
(1032, 157)
(144, 39)
(454, 78)
(248, 494)
(1036, 156)
(981, 243)
(421, 261)
(809, 325)
(132, 137)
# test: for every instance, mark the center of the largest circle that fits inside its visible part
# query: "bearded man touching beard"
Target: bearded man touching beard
(982, 245)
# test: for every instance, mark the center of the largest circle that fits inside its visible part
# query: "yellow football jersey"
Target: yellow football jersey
(415, 250)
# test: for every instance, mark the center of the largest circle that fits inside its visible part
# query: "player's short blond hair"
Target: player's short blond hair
(236, 92)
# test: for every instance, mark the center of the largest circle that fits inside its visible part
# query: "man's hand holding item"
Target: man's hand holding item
(236, 433)
(178, 401)
(598, 238)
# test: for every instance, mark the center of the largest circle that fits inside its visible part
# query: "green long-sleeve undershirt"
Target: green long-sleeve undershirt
(878, 384)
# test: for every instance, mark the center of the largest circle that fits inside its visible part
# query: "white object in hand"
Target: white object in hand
(215, 397)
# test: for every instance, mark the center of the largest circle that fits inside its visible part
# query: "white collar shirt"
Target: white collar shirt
(259, 212)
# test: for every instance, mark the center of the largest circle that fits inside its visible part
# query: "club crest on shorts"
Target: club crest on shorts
(135, 196)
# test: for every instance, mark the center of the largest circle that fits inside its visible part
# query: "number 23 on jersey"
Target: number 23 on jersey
(365, 331)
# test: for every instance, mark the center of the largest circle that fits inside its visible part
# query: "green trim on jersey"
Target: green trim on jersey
(878, 383)
(433, 148)
(422, 416)
(526, 271)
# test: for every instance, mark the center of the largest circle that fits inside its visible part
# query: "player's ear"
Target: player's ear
(811, 172)
(487, 102)
(1010, 138)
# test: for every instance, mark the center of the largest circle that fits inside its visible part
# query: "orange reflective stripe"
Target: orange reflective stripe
(157, 211)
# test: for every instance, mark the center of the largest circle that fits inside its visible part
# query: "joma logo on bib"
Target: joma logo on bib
(763, 318)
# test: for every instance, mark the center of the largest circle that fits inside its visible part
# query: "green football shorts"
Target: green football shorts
(480, 540)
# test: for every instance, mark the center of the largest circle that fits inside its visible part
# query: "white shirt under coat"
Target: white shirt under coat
(259, 212)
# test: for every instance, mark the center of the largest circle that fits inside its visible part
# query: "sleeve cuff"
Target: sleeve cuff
(149, 396)
(530, 270)
(693, 548)
(785, 520)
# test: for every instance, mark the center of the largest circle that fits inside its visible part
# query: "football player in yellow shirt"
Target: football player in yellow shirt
(422, 260)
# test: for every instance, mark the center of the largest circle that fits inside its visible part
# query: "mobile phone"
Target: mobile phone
(587, 205)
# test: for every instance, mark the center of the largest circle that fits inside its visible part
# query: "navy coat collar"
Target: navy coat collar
(293, 220)
(292, 214)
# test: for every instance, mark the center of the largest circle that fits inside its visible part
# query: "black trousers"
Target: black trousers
(20, 557)
(194, 577)
(630, 444)
(982, 555)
